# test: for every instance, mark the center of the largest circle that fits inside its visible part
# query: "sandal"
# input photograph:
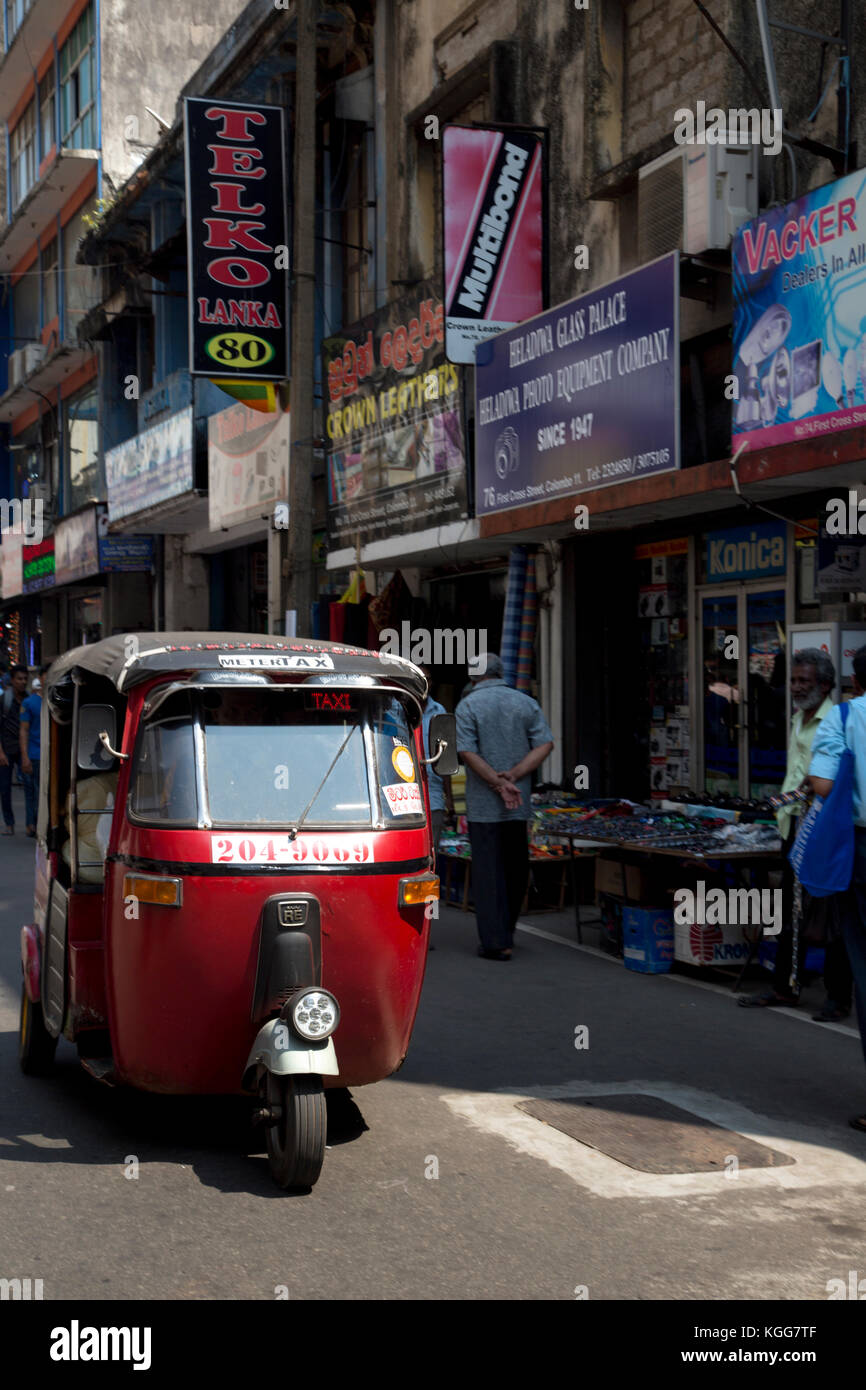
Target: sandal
(858, 1122)
(767, 1001)
(493, 955)
(8, 830)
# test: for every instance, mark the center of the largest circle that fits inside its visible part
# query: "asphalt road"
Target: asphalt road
(517, 1211)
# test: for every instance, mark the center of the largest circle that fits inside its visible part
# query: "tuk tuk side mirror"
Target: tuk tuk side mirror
(443, 740)
(92, 754)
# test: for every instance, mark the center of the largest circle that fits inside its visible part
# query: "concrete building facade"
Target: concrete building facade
(83, 84)
(606, 85)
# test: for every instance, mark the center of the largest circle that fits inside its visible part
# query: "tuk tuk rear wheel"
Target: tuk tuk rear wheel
(296, 1139)
(36, 1047)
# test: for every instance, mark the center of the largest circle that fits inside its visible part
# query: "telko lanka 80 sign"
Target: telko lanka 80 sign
(582, 396)
(237, 240)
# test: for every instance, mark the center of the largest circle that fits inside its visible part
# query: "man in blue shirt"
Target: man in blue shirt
(827, 749)
(441, 799)
(29, 733)
(502, 737)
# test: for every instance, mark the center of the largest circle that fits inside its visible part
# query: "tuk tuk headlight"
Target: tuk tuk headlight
(315, 1014)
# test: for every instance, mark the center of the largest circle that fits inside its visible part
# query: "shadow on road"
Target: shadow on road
(70, 1118)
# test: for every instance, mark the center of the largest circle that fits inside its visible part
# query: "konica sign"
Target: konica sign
(747, 552)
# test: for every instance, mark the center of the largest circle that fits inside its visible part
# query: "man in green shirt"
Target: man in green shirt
(813, 678)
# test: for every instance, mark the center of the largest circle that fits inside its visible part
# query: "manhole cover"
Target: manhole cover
(651, 1135)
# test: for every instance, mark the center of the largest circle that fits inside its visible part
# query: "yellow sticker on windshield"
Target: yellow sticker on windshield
(403, 764)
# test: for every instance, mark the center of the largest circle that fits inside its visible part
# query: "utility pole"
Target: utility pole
(296, 544)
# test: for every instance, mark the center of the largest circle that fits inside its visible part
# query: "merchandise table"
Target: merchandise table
(693, 837)
(566, 860)
(763, 861)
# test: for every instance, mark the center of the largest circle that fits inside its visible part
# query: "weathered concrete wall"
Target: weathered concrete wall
(673, 59)
(148, 52)
(552, 76)
(187, 598)
(432, 44)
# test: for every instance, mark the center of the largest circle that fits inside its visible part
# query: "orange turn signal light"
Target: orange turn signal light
(162, 892)
(418, 890)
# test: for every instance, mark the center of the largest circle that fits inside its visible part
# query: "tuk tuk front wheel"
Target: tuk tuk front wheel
(297, 1130)
(36, 1047)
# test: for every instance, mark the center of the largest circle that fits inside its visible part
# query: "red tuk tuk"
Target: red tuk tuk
(233, 870)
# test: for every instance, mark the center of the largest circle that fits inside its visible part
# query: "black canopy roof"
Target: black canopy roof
(128, 659)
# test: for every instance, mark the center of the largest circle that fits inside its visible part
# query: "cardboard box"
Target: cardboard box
(647, 939)
(625, 881)
(698, 944)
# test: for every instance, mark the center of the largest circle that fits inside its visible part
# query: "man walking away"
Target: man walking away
(29, 734)
(502, 737)
(813, 677)
(10, 749)
(830, 743)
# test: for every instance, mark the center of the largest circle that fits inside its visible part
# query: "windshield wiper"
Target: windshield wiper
(293, 833)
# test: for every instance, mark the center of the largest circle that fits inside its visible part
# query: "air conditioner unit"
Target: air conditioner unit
(695, 197)
(34, 356)
(16, 367)
(23, 361)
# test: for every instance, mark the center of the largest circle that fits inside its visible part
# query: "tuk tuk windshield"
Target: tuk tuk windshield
(268, 756)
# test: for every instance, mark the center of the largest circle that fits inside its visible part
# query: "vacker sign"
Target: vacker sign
(237, 240)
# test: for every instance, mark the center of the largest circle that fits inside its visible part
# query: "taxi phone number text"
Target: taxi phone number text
(270, 849)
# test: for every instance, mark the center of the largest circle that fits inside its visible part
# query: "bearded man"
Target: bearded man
(813, 678)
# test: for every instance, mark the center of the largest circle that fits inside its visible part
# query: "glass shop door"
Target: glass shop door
(742, 715)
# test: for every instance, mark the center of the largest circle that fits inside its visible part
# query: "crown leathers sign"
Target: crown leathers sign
(237, 239)
(394, 423)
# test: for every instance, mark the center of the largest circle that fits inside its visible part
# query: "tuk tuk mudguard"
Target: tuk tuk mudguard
(31, 963)
(289, 959)
(285, 1054)
(54, 976)
(290, 951)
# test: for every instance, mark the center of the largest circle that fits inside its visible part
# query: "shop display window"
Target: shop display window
(662, 599)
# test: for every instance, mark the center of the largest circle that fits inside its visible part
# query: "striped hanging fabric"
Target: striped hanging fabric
(513, 616)
(526, 649)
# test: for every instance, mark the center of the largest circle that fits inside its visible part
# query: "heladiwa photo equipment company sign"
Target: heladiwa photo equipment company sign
(493, 222)
(237, 234)
(582, 396)
(799, 342)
